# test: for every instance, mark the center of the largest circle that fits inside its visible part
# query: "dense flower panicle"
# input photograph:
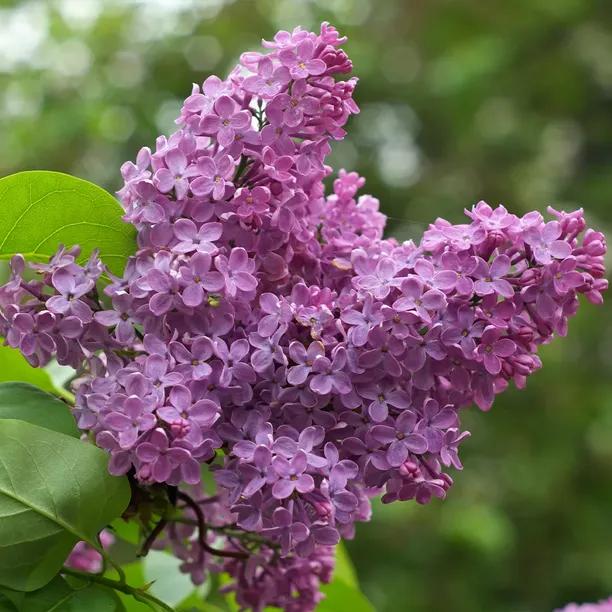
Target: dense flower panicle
(269, 329)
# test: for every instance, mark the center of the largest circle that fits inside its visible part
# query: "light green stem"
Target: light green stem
(66, 395)
(138, 594)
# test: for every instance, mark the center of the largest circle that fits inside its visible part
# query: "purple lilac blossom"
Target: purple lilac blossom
(605, 605)
(85, 558)
(268, 329)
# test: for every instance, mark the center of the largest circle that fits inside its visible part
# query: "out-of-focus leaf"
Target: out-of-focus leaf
(342, 596)
(344, 570)
(42, 209)
(59, 374)
(27, 403)
(169, 583)
(134, 577)
(54, 491)
(196, 602)
(126, 530)
(13, 367)
(343, 593)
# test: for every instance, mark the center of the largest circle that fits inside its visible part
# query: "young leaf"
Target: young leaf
(59, 595)
(54, 491)
(27, 403)
(42, 209)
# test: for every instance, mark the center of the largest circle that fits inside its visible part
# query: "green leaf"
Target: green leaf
(59, 374)
(169, 583)
(341, 596)
(343, 593)
(27, 403)
(135, 578)
(42, 209)
(54, 491)
(14, 366)
(128, 531)
(196, 603)
(58, 596)
(344, 570)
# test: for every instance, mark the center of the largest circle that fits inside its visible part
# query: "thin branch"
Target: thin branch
(136, 593)
(155, 532)
(202, 531)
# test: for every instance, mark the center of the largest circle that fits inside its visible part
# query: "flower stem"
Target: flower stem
(136, 593)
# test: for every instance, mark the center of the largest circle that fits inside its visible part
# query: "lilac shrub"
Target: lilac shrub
(268, 331)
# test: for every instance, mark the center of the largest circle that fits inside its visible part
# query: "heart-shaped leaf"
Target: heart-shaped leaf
(27, 403)
(54, 491)
(42, 209)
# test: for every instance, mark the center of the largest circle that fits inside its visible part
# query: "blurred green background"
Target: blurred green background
(461, 100)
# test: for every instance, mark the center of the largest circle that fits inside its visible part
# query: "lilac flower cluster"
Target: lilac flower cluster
(601, 606)
(270, 331)
(86, 558)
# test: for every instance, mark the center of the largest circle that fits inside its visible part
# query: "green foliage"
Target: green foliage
(135, 578)
(195, 603)
(13, 366)
(59, 596)
(343, 593)
(128, 531)
(43, 209)
(19, 400)
(341, 596)
(54, 491)
(509, 102)
(344, 570)
(169, 584)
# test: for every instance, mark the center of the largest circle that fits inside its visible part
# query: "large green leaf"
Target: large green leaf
(42, 209)
(54, 491)
(59, 596)
(27, 403)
